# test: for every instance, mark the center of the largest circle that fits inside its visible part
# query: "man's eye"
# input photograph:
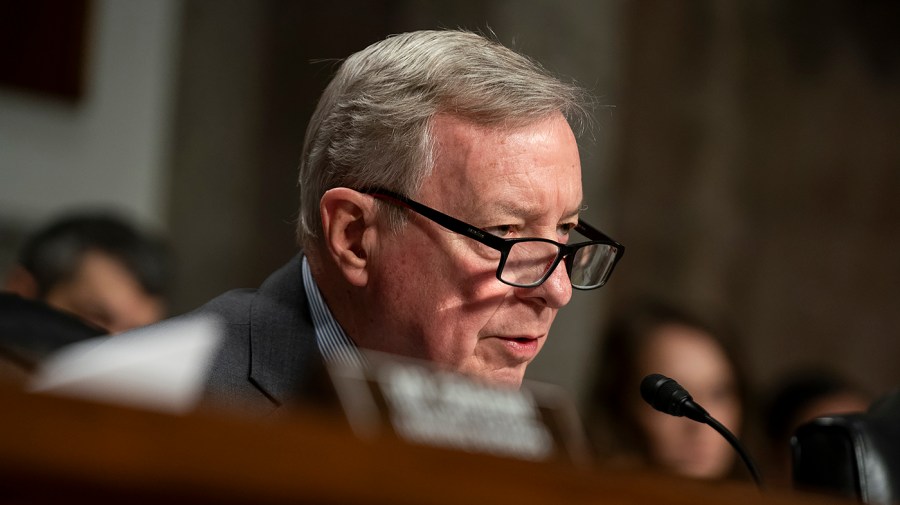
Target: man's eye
(502, 231)
(565, 228)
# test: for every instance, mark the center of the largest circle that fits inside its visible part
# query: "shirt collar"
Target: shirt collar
(334, 344)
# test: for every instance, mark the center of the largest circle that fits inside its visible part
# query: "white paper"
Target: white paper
(161, 367)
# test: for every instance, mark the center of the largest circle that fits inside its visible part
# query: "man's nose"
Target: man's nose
(555, 292)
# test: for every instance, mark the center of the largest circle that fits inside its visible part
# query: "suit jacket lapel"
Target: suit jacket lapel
(284, 356)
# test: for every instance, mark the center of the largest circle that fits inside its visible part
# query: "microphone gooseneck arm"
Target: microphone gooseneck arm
(667, 396)
(725, 432)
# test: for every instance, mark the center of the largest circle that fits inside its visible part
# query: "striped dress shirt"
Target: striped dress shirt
(334, 344)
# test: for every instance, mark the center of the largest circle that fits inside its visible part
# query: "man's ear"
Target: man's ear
(20, 281)
(347, 217)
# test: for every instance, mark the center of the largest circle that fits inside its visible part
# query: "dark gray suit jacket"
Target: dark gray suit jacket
(269, 356)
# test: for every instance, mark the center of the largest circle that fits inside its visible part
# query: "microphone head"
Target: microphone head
(667, 396)
(664, 394)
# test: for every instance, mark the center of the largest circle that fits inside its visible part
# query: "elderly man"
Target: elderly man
(440, 197)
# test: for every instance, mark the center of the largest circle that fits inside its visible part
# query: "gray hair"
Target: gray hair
(372, 125)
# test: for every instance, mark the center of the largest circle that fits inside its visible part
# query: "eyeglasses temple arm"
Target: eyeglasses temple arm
(449, 222)
(593, 233)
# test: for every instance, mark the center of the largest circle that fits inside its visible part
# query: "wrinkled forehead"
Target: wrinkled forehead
(526, 168)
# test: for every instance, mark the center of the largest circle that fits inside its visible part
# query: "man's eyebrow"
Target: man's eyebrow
(530, 211)
(578, 209)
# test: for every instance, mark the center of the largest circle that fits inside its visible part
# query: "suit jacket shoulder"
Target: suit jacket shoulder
(269, 354)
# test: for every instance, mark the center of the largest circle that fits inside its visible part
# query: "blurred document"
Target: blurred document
(161, 367)
(422, 403)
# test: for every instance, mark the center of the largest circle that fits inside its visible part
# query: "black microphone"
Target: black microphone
(668, 396)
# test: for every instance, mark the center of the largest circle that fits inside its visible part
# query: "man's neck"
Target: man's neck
(348, 311)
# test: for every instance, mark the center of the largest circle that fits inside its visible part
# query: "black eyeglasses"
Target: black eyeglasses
(528, 262)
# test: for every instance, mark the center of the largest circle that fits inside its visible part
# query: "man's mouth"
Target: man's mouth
(522, 348)
(521, 339)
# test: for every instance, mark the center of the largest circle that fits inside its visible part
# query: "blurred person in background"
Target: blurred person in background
(96, 267)
(798, 397)
(653, 337)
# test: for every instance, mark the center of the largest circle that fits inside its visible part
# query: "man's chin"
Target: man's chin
(505, 378)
